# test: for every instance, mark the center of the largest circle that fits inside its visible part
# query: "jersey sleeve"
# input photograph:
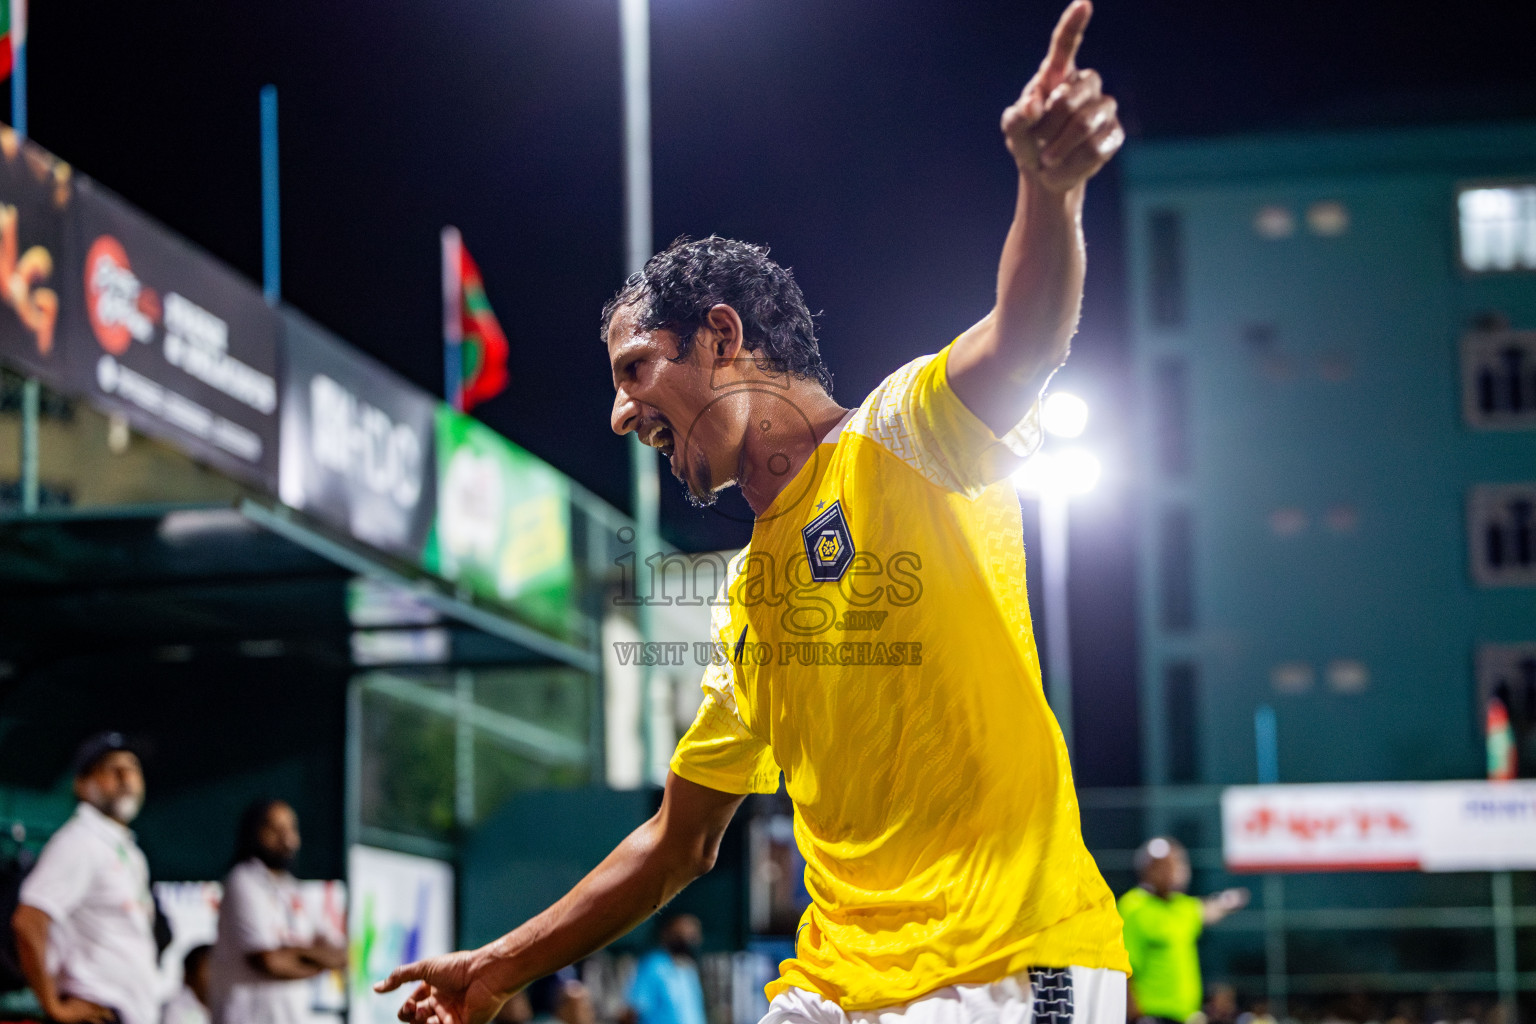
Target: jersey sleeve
(917, 416)
(62, 876)
(719, 750)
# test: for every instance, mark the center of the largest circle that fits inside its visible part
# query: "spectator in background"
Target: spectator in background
(666, 988)
(190, 1005)
(1221, 1005)
(268, 944)
(560, 998)
(1162, 923)
(85, 918)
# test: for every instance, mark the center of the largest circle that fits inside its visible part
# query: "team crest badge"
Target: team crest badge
(828, 545)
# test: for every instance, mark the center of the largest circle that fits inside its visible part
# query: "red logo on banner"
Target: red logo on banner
(121, 309)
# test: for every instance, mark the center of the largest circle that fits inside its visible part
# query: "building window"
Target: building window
(1170, 410)
(1176, 584)
(1501, 534)
(1498, 227)
(1165, 280)
(1181, 713)
(1498, 379)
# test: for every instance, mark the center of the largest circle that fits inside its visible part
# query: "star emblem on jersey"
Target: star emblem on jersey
(828, 545)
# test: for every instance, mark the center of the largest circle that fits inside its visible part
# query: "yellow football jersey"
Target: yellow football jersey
(876, 648)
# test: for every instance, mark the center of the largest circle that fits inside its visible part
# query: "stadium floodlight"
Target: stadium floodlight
(1064, 414)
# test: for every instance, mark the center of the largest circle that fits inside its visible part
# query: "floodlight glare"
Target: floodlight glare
(1064, 414)
(1076, 471)
(1037, 476)
(1065, 473)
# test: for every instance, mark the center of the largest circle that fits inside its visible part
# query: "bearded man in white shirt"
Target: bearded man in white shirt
(85, 918)
(268, 944)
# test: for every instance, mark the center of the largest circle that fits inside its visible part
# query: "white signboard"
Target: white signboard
(1380, 826)
(401, 911)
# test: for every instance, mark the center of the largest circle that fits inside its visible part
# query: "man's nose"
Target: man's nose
(626, 413)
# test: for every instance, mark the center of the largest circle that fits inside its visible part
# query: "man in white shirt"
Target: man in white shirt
(268, 944)
(85, 918)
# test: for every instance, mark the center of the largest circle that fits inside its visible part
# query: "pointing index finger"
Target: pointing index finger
(1062, 58)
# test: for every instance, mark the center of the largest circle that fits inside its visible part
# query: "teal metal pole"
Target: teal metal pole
(31, 399)
(1266, 744)
(19, 69)
(271, 238)
(31, 390)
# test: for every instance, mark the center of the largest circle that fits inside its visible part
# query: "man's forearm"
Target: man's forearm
(633, 882)
(1039, 280)
(31, 927)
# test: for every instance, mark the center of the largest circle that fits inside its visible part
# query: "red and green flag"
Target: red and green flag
(13, 33)
(1502, 752)
(475, 346)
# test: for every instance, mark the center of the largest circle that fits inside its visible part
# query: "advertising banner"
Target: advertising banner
(1383, 826)
(36, 201)
(170, 338)
(401, 909)
(357, 442)
(503, 524)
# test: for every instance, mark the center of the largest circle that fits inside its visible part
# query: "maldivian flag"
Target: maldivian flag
(1502, 753)
(13, 33)
(477, 348)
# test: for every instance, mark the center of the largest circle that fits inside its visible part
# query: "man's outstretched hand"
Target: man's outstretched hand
(450, 991)
(1063, 128)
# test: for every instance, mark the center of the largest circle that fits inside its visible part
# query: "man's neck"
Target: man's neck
(96, 812)
(789, 425)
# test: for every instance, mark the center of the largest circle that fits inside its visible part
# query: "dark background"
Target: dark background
(859, 140)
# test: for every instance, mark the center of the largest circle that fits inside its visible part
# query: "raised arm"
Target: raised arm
(646, 870)
(1060, 132)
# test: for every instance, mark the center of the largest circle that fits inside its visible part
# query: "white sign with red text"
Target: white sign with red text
(1380, 826)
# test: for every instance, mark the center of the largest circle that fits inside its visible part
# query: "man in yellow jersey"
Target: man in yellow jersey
(873, 641)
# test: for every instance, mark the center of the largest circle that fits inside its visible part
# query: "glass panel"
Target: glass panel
(556, 699)
(501, 774)
(407, 782)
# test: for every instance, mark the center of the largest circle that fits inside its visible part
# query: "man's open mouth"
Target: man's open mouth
(662, 439)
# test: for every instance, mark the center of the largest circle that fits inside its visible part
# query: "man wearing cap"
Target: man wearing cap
(85, 919)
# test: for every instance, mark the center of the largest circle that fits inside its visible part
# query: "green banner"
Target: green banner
(503, 525)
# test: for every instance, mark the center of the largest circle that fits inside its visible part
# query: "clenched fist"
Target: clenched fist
(1063, 128)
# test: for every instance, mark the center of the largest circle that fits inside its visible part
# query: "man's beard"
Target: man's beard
(276, 860)
(709, 495)
(122, 808)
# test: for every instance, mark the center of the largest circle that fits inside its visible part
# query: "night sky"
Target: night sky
(859, 140)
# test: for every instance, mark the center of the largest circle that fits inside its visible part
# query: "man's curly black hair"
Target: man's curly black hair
(681, 283)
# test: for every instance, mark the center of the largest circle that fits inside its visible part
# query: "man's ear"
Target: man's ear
(725, 327)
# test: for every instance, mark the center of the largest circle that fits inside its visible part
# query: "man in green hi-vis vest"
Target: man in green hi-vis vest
(1162, 923)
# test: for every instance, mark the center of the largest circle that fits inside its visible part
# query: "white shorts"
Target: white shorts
(1040, 995)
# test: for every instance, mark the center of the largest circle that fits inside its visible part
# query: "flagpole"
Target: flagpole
(271, 222)
(19, 66)
(31, 388)
(453, 328)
